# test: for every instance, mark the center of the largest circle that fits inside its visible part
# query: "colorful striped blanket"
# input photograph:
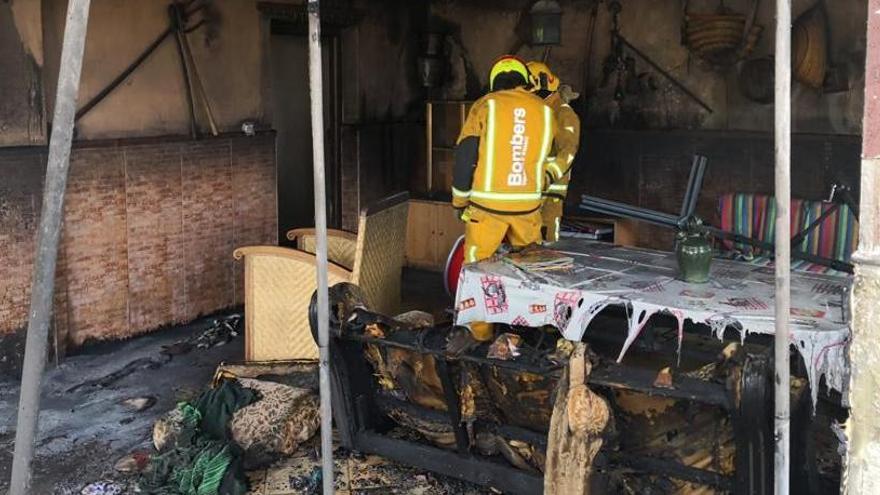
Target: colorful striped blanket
(753, 215)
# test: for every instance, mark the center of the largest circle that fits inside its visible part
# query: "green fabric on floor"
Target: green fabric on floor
(203, 461)
(219, 404)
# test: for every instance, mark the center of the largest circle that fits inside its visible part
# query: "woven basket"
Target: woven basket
(718, 38)
(810, 47)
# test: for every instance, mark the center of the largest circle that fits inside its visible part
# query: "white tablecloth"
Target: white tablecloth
(567, 285)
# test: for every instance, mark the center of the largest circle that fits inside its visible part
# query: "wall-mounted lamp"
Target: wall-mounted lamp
(546, 17)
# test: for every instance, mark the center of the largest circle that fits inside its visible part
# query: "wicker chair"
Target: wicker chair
(279, 283)
(375, 255)
(341, 245)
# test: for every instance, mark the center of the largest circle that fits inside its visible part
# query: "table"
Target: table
(568, 285)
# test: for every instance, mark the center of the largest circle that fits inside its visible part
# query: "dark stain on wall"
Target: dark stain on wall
(650, 169)
(148, 234)
(21, 87)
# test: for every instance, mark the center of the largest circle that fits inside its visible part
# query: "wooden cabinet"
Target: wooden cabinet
(431, 231)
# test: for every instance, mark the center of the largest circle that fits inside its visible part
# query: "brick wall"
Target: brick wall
(148, 233)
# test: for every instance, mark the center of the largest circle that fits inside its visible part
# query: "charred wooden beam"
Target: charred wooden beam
(651, 465)
(672, 469)
(613, 376)
(453, 406)
(484, 471)
(364, 411)
(753, 431)
(642, 380)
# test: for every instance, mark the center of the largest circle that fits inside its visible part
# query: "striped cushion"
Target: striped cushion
(836, 237)
(753, 215)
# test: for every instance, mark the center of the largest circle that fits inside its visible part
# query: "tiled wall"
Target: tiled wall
(148, 233)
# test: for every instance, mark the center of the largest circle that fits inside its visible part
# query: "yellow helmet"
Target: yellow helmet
(542, 78)
(508, 63)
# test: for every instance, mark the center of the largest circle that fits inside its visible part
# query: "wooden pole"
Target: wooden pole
(48, 236)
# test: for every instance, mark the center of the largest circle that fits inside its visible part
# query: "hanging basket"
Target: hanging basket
(810, 47)
(721, 38)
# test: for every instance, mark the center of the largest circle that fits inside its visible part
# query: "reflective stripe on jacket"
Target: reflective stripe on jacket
(568, 138)
(516, 130)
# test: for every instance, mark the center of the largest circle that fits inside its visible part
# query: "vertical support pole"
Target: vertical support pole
(48, 236)
(316, 83)
(782, 416)
(862, 470)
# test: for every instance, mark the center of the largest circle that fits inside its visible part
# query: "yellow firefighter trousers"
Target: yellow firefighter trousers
(551, 213)
(483, 234)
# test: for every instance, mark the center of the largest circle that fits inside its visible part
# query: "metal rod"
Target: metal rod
(782, 416)
(619, 211)
(627, 214)
(838, 265)
(48, 236)
(316, 83)
(187, 79)
(800, 236)
(622, 209)
(124, 74)
(631, 214)
(687, 191)
(199, 86)
(667, 75)
(695, 184)
(608, 203)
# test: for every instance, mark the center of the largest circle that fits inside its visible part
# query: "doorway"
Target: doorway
(291, 119)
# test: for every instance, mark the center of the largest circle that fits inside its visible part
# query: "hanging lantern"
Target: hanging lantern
(546, 17)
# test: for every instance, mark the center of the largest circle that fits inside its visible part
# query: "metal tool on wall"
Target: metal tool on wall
(180, 24)
(623, 68)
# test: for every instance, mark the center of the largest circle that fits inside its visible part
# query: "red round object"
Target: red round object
(453, 267)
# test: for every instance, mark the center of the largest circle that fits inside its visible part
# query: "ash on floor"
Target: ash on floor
(87, 425)
(355, 474)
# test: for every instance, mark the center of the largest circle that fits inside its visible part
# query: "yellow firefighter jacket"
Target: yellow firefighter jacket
(568, 137)
(515, 130)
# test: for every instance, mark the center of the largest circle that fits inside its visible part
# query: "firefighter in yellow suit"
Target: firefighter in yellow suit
(546, 85)
(501, 169)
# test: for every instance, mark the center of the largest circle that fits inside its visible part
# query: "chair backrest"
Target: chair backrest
(753, 215)
(279, 283)
(341, 245)
(380, 252)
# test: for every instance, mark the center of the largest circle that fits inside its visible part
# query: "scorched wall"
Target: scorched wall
(148, 234)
